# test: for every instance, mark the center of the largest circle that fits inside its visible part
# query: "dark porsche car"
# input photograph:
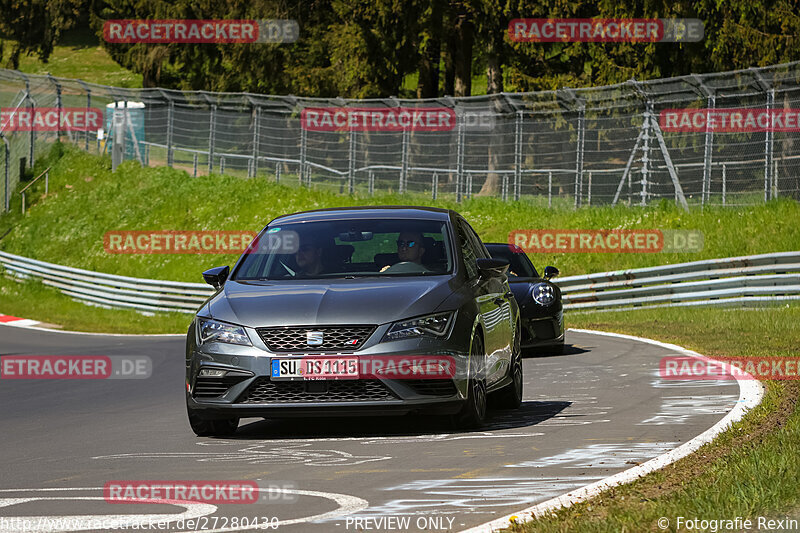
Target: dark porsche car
(321, 299)
(541, 309)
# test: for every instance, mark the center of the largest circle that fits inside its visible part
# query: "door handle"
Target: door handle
(509, 294)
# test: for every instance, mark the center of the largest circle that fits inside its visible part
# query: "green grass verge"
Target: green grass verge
(79, 55)
(749, 471)
(86, 200)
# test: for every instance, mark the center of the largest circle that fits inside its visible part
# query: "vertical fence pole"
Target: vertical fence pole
(170, 130)
(211, 137)
(195, 164)
(579, 155)
(460, 160)
(222, 164)
(768, 145)
(88, 106)
(7, 199)
(435, 185)
(351, 163)
(646, 151)
(775, 179)
(278, 172)
(550, 189)
(59, 103)
(256, 139)
(371, 182)
(518, 155)
(724, 181)
(589, 192)
(404, 162)
(708, 152)
(302, 153)
(32, 107)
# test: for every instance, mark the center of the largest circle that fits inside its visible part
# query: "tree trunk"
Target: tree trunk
(430, 52)
(494, 75)
(465, 38)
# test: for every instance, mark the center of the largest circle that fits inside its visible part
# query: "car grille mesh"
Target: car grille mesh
(213, 386)
(346, 390)
(432, 387)
(334, 338)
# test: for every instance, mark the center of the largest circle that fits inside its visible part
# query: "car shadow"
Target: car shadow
(528, 414)
(569, 349)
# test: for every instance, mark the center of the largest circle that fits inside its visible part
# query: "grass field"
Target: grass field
(67, 226)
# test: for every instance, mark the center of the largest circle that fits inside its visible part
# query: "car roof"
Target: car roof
(367, 212)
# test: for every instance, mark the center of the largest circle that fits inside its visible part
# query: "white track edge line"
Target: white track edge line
(49, 330)
(751, 392)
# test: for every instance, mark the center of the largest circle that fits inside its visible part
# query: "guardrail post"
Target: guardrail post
(256, 139)
(211, 137)
(517, 155)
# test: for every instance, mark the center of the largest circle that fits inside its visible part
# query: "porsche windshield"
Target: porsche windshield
(348, 248)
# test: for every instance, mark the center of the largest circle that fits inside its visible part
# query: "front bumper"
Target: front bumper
(248, 391)
(543, 331)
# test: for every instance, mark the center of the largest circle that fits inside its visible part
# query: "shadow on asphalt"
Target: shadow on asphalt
(529, 414)
(569, 349)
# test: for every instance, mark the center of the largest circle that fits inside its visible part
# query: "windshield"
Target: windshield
(348, 248)
(519, 265)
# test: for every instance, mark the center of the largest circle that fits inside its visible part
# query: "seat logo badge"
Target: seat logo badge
(314, 338)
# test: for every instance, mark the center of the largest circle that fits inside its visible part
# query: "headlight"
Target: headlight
(214, 331)
(543, 294)
(431, 325)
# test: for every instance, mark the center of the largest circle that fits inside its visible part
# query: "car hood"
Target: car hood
(318, 302)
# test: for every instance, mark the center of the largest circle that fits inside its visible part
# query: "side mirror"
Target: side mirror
(550, 272)
(216, 276)
(491, 267)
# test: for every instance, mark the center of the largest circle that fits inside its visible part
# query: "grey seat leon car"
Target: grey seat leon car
(356, 311)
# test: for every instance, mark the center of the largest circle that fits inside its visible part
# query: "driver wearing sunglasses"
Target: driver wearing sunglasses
(409, 247)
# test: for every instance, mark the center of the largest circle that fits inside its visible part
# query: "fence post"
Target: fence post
(371, 182)
(7, 199)
(724, 181)
(404, 162)
(170, 130)
(302, 153)
(277, 172)
(460, 160)
(435, 185)
(59, 103)
(708, 152)
(256, 139)
(351, 162)
(222, 164)
(579, 154)
(32, 112)
(518, 155)
(768, 145)
(211, 137)
(194, 159)
(589, 192)
(646, 150)
(550, 189)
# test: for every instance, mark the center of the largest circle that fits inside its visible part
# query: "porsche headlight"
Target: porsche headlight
(215, 331)
(543, 294)
(431, 325)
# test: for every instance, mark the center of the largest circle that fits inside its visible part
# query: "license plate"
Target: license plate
(314, 368)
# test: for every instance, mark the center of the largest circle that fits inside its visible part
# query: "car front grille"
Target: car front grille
(346, 390)
(432, 387)
(334, 338)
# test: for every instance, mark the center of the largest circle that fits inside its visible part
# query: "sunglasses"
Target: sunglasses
(407, 244)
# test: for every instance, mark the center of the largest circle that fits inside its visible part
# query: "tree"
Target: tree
(35, 25)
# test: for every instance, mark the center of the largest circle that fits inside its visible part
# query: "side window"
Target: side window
(467, 250)
(476, 241)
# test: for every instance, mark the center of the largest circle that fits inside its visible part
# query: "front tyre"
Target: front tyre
(510, 396)
(224, 427)
(473, 412)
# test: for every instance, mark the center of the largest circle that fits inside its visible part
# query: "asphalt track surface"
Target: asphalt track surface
(593, 412)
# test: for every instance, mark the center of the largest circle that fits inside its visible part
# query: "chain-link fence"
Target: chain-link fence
(576, 147)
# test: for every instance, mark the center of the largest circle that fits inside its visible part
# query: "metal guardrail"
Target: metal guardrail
(747, 280)
(730, 281)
